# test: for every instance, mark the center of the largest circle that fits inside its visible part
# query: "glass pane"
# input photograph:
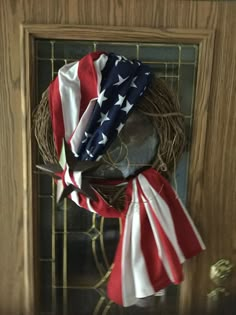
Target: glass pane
(186, 88)
(71, 49)
(45, 286)
(45, 185)
(77, 248)
(159, 53)
(189, 54)
(44, 76)
(43, 49)
(58, 64)
(45, 227)
(78, 219)
(129, 51)
(84, 266)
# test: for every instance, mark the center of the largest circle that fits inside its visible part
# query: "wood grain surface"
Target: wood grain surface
(214, 212)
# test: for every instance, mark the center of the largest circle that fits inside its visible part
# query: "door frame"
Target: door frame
(204, 38)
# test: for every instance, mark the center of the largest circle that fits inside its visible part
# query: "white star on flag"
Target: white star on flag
(87, 135)
(128, 107)
(89, 153)
(120, 127)
(120, 100)
(132, 83)
(104, 139)
(147, 73)
(118, 60)
(102, 98)
(121, 80)
(104, 117)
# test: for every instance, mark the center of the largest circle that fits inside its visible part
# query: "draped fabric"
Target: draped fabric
(158, 235)
(90, 101)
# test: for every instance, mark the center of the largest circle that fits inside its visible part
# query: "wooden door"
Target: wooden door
(211, 191)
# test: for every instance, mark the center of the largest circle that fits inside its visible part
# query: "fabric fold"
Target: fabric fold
(153, 245)
(144, 270)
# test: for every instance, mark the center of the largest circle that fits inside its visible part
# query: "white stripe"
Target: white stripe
(90, 208)
(69, 87)
(60, 188)
(143, 286)
(78, 178)
(67, 177)
(81, 127)
(99, 65)
(161, 251)
(75, 197)
(162, 213)
(127, 281)
(78, 135)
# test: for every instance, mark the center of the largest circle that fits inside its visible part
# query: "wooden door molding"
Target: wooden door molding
(205, 41)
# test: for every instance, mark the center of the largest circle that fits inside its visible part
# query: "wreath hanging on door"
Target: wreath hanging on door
(111, 134)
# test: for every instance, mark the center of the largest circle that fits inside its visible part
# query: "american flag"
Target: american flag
(91, 99)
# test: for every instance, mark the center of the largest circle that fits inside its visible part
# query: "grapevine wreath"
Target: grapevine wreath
(111, 134)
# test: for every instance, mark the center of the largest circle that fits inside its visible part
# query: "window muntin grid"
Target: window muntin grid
(66, 231)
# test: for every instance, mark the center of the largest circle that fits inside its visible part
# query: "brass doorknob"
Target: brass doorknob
(221, 271)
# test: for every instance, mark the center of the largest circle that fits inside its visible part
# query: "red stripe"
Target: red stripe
(88, 79)
(56, 115)
(114, 285)
(170, 254)
(186, 236)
